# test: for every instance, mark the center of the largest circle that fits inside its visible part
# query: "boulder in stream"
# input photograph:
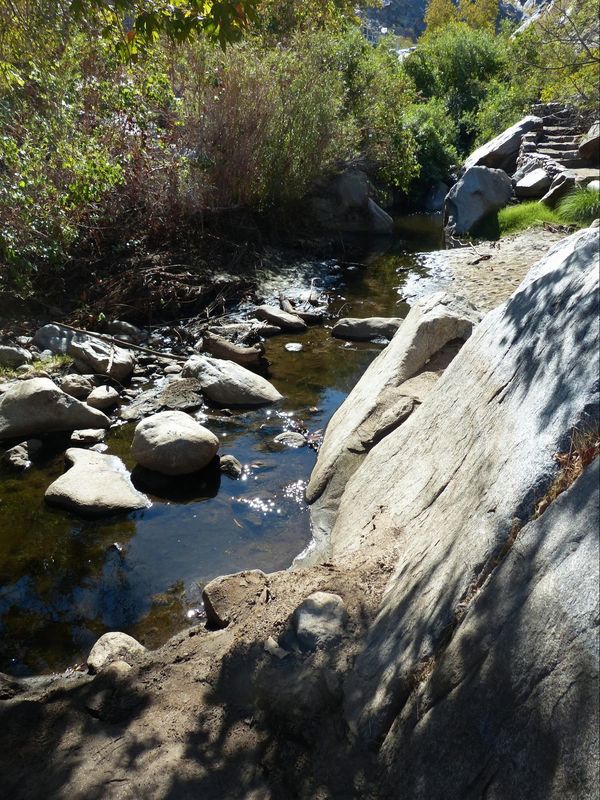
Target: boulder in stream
(279, 318)
(227, 384)
(95, 485)
(173, 443)
(36, 406)
(103, 358)
(356, 329)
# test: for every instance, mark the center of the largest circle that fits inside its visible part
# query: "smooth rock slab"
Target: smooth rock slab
(173, 443)
(103, 397)
(319, 620)
(37, 406)
(114, 646)
(282, 319)
(227, 384)
(95, 485)
(501, 152)
(228, 595)
(357, 329)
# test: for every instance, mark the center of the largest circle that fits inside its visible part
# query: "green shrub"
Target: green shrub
(436, 137)
(513, 219)
(581, 205)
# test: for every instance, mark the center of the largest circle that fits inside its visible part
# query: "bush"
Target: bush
(436, 137)
(581, 205)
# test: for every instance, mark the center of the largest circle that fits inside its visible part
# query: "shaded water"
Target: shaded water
(65, 581)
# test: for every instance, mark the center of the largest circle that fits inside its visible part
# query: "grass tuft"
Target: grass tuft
(513, 219)
(581, 205)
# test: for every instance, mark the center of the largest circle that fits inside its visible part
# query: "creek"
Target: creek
(65, 581)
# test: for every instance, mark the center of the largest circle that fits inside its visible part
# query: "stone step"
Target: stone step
(559, 152)
(561, 130)
(573, 163)
(559, 141)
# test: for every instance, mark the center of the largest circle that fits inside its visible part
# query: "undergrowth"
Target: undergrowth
(581, 205)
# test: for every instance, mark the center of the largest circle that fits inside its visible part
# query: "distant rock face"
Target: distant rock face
(392, 387)
(368, 328)
(37, 406)
(95, 485)
(227, 384)
(479, 192)
(173, 443)
(449, 489)
(502, 151)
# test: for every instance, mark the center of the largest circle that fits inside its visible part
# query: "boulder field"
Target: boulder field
(445, 642)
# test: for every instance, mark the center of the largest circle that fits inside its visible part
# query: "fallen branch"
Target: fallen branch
(126, 345)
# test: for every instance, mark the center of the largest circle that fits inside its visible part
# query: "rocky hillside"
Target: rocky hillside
(405, 17)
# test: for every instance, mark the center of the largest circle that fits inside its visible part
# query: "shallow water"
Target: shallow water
(65, 581)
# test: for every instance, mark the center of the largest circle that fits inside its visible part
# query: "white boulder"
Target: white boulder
(173, 443)
(227, 384)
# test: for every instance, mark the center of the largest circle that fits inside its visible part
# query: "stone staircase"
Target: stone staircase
(559, 136)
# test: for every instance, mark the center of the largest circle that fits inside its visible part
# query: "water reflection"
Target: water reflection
(65, 581)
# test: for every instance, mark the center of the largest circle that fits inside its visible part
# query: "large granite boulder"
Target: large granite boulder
(502, 151)
(392, 387)
(36, 406)
(173, 443)
(227, 384)
(95, 485)
(480, 191)
(510, 708)
(449, 491)
(589, 147)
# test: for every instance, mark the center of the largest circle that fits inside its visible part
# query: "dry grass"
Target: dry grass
(584, 448)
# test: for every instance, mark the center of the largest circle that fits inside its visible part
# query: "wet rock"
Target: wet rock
(291, 439)
(114, 646)
(294, 347)
(219, 347)
(534, 184)
(229, 596)
(173, 443)
(230, 466)
(95, 485)
(282, 319)
(177, 394)
(13, 357)
(356, 329)
(102, 357)
(18, 458)
(173, 369)
(37, 405)
(103, 397)
(78, 386)
(88, 436)
(227, 384)
(319, 620)
(502, 151)
(480, 191)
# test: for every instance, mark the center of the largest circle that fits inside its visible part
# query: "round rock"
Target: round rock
(319, 620)
(114, 646)
(173, 443)
(103, 397)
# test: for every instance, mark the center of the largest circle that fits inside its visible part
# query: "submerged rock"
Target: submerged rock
(281, 319)
(37, 406)
(173, 443)
(95, 485)
(356, 329)
(19, 457)
(227, 384)
(114, 646)
(230, 466)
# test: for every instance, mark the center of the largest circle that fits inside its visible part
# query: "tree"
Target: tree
(440, 13)
(479, 14)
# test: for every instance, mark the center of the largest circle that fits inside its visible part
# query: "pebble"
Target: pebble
(294, 347)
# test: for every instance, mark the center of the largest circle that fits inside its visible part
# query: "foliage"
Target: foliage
(439, 13)
(504, 104)
(435, 135)
(533, 214)
(581, 205)
(456, 63)
(477, 14)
